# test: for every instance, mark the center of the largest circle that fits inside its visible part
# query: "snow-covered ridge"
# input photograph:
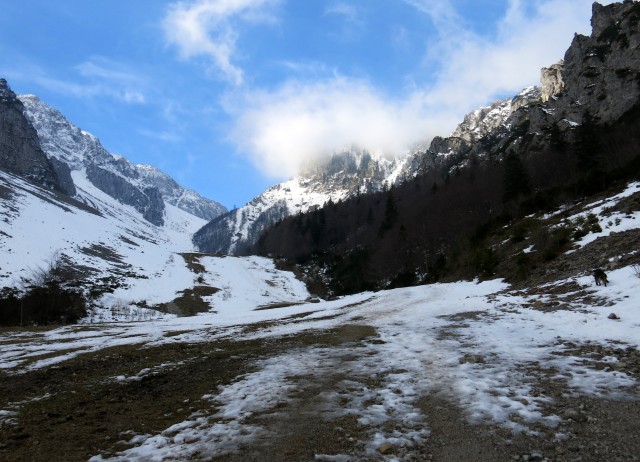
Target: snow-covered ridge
(78, 149)
(486, 119)
(345, 174)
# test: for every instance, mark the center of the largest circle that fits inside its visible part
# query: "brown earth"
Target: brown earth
(76, 409)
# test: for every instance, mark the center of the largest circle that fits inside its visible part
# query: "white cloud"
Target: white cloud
(288, 127)
(208, 28)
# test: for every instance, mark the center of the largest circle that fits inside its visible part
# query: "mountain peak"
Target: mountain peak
(144, 187)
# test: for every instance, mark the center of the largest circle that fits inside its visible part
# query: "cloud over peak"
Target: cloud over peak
(300, 121)
(318, 106)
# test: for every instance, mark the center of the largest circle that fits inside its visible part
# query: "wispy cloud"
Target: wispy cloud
(349, 12)
(165, 136)
(352, 22)
(209, 28)
(97, 77)
(107, 77)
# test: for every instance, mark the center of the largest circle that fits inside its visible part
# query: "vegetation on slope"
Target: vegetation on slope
(442, 225)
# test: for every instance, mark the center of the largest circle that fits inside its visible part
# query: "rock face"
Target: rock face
(141, 186)
(598, 78)
(174, 194)
(147, 201)
(551, 80)
(604, 68)
(20, 150)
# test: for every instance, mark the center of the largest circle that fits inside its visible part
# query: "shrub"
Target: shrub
(585, 225)
(551, 243)
(523, 228)
(485, 261)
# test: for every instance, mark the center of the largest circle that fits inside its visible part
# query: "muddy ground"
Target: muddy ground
(77, 409)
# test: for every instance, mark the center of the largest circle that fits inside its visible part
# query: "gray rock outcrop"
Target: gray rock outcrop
(20, 150)
(551, 80)
(148, 201)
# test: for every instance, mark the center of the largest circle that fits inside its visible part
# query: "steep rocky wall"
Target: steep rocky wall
(602, 71)
(20, 150)
(147, 201)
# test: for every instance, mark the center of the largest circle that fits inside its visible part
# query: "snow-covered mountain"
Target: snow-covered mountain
(117, 229)
(108, 243)
(144, 187)
(346, 174)
(127, 267)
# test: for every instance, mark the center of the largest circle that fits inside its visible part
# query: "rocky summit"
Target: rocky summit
(143, 187)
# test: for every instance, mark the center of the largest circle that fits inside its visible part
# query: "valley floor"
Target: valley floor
(462, 371)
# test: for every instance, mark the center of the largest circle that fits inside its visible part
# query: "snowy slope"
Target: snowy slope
(114, 247)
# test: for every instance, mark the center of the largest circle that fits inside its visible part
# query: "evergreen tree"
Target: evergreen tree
(515, 182)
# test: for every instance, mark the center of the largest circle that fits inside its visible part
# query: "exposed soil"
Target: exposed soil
(79, 409)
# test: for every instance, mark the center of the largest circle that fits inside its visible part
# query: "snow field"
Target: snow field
(476, 344)
(425, 334)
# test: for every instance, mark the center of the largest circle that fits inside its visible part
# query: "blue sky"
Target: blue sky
(231, 96)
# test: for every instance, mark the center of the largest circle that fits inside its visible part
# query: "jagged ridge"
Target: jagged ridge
(143, 187)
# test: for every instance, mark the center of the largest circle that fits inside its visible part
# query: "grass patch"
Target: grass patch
(190, 302)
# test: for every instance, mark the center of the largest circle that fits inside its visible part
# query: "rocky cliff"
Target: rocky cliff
(20, 150)
(598, 78)
(603, 68)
